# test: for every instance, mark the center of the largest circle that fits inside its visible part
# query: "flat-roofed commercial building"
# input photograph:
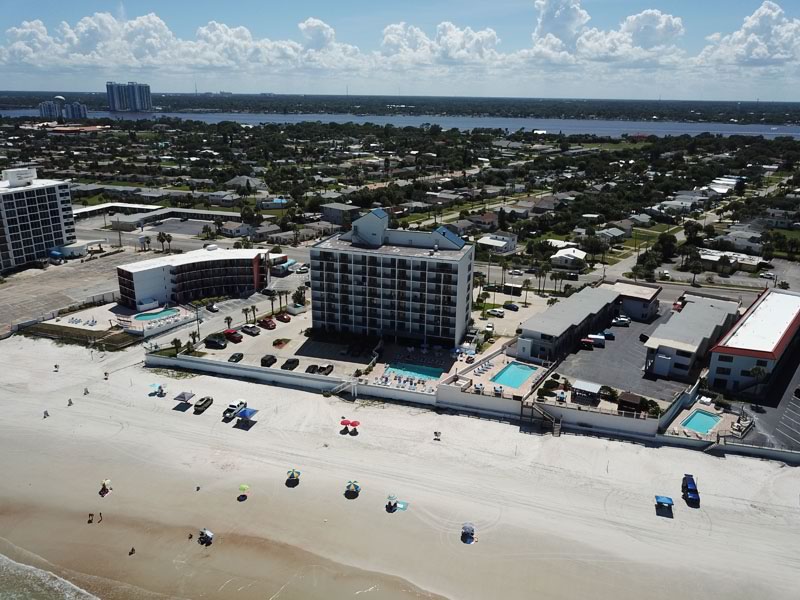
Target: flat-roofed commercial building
(555, 332)
(180, 278)
(636, 300)
(758, 341)
(35, 218)
(409, 285)
(677, 346)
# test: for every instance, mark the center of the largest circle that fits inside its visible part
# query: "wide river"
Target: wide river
(565, 126)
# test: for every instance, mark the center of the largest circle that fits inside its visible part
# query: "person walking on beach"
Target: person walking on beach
(100, 520)
(46, 414)
(132, 551)
(55, 367)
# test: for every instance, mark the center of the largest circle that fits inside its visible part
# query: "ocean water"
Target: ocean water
(21, 582)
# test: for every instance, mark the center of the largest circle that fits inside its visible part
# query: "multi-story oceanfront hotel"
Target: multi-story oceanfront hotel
(408, 285)
(180, 278)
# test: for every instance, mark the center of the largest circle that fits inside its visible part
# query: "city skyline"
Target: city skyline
(533, 48)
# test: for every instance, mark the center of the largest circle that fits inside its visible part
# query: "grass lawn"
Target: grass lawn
(92, 200)
(788, 233)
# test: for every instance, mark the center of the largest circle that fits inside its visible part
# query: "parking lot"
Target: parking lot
(507, 324)
(307, 351)
(619, 364)
(778, 426)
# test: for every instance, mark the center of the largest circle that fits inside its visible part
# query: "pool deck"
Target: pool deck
(725, 424)
(497, 364)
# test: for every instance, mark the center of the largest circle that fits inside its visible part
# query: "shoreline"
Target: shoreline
(556, 517)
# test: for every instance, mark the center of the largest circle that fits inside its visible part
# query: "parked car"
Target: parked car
(232, 335)
(587, 344)
(325, 369)
(233, 409)
(267, 324)
(689, 490)
(313, 369)
(609, 335)
(251, 330)
(269, 293)
(236, 357)
(767, 275)
(290, 364)
(665, 274)
(283, 317)
(268, 360)
(212, 308)
(511, 306)
(202, 404)
(516, 272)
(301, 270)
(217, 342)
(621, 322)
(490, 327)
(496, 312)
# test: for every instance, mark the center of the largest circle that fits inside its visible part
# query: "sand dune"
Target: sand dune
(556, 518)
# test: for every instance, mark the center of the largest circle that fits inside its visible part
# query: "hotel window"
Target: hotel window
(761, 363)
(723, 371)
(725, 358)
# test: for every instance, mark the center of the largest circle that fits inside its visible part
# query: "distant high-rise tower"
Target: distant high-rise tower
(130, 97)
(60, 109)
(49, 110)
(74, 110)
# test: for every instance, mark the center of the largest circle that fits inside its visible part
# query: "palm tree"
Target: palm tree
(246, 312)
(272, 304)
(218, 223)
(484, 297)
(696, 268)
(546, 268)
(161, 238)
(228, 321)
(176, 343)
(195, 336)
(147, 241)
(253, 309)
(207, 231)
(168, 239)
(526, 286)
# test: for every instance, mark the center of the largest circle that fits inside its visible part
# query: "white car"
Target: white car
(490, 327)
(767, 275)
(516, 272)
(496, 312)
(302, 270)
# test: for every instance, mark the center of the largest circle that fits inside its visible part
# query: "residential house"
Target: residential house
(233, 229)
(223, 198)
(485, 221)
(262, 232)
(569, 258)
(612, 235)
(242, 181)
(500, 242)
(625, 225)
(745, 240)
(641, 220)
(461, 227)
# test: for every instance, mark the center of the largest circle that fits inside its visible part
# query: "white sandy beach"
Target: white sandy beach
(568, 517)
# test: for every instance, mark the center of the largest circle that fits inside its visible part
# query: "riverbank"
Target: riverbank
(556, 517)
(597, 127)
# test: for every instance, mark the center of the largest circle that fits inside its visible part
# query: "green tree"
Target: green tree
(526, 286)
(246, 313)
(176, 343)
(695, 268)
(168, 239)
(228, 321)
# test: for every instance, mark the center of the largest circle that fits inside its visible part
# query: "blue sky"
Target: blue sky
(706, 49)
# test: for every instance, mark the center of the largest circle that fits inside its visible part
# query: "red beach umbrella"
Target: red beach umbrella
(355, 423)
(345, 422)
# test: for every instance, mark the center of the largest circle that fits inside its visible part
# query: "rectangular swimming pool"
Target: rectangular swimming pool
(416, 371)
(514, 375)
(701, 421)
(167, 312)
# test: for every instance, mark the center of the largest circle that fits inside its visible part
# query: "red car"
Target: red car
(232, 335)
(267, 324)
(284, 317)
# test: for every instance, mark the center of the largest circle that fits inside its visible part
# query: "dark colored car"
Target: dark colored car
(251, 330)
(325, 370)
(312, 369)
(216, 342)
(202, 404)
(268, 360)
(511, 306)
(689, 490)
(269, 293)
(236, 357)
(212, 308)
(283, 317)
(267, 324)
(290, 364)
(232, 335)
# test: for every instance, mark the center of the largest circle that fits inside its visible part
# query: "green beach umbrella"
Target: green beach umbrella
(244, 487)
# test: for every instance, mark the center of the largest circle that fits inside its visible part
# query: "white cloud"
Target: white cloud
(564, 20)
(767, 37)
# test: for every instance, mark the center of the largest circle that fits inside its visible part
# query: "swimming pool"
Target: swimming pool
(167, 312)
(417, 371)
(701, 421)
(514, 375)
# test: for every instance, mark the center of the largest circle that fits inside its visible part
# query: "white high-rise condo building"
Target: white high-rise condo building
(35, 217)
(130, 97)
(406, 285)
